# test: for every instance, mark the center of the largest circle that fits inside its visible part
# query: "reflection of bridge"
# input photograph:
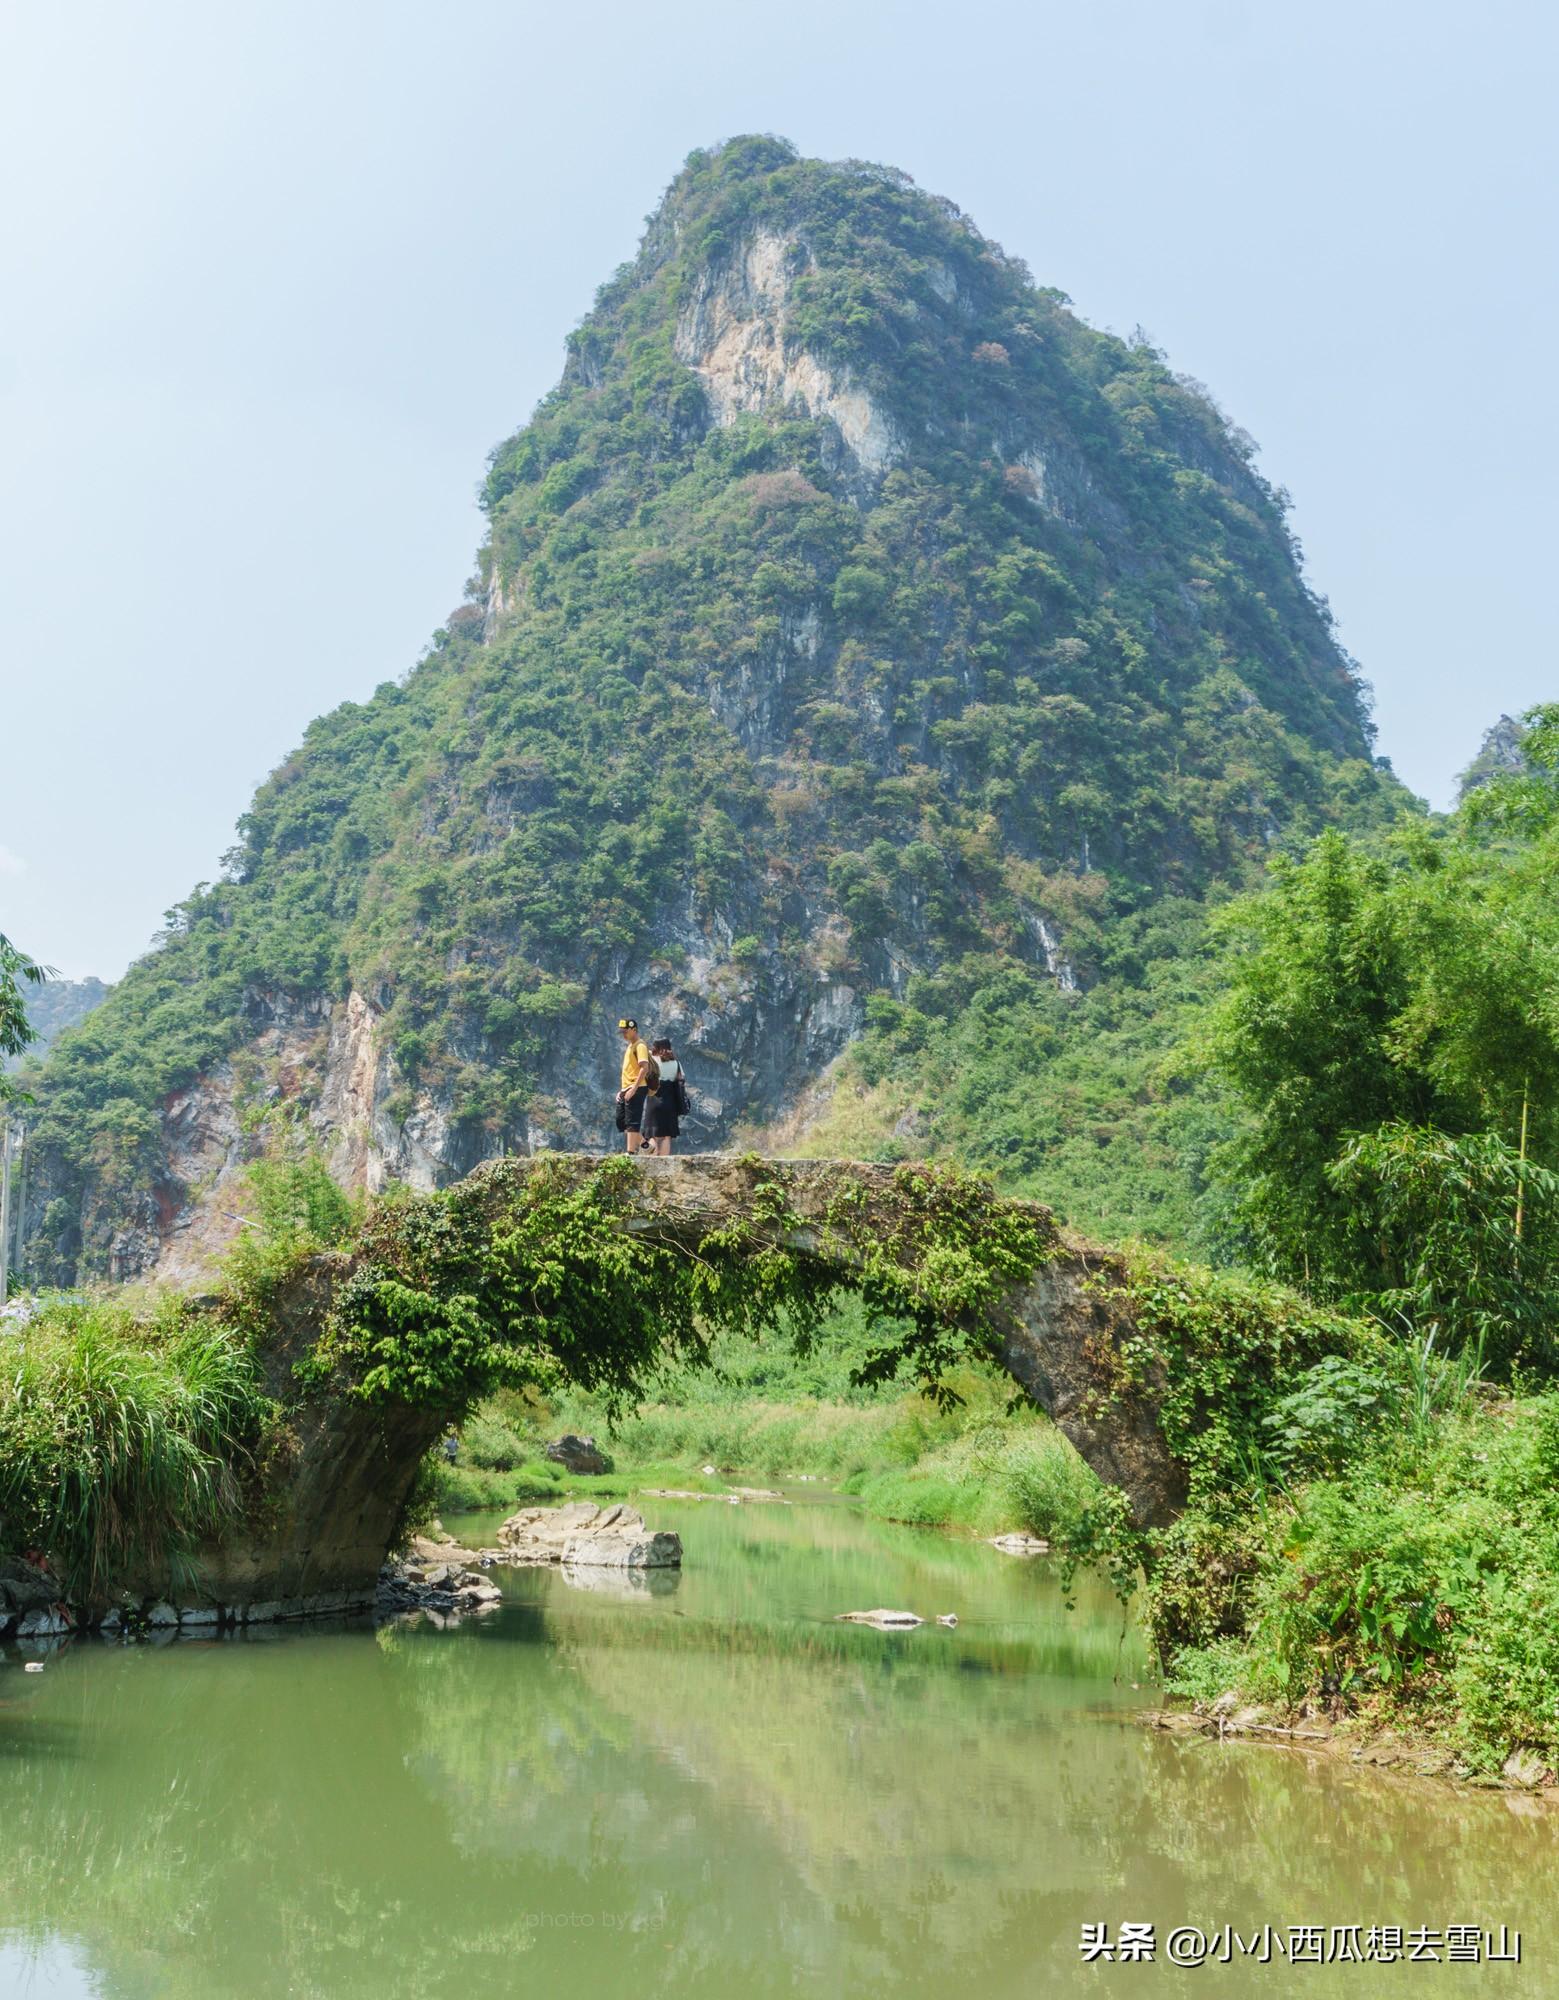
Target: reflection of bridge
(352, 1464)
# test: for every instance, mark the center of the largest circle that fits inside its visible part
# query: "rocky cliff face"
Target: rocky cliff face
(850, 612)
(1499, 752)
(736, 334)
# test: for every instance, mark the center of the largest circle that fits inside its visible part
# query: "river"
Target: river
(707, 1789)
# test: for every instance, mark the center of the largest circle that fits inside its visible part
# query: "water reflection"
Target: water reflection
(622, 1585)
(699, 1791)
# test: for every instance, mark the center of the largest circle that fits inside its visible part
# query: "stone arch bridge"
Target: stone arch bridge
(350, 1466)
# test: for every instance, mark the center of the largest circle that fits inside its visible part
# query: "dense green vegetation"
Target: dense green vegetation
(1092, 1102)
(125, 1438)
(1384, 1540)
(1401, 1570)
(1329, 1078)
(758, 722)
(54, 1004)
(1349, 1081)
(125, 1433)
(1392, 1035)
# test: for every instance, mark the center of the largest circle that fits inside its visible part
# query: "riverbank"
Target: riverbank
(1370, 1532)
(1312, 1733)
(1401, 1601)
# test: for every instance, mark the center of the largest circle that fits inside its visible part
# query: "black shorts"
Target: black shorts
(630, 1109)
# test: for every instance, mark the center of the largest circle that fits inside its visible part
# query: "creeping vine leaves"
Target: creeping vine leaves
(544, 1270)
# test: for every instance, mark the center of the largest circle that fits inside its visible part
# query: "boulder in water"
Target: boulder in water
(47, 1623)
(613, 1537)
(883, 1621)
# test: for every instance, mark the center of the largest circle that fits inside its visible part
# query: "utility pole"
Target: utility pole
(5, 1206)
(21, 1206)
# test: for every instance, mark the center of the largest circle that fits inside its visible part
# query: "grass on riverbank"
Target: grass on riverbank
(122, 1437)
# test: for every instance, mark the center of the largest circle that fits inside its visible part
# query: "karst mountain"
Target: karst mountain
(849, 612)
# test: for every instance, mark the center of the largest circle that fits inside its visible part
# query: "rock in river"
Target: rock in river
(25, 1587)
(884, 1621)
(613, 1537)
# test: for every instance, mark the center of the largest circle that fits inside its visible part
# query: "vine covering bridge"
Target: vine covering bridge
(592, 1267)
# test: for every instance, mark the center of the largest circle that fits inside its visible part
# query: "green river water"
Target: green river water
(706, 1789)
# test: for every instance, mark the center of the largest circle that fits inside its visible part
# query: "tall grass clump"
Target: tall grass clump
(122, 1439)
(1012, 1470)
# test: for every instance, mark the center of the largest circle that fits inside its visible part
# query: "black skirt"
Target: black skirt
(660, 1114)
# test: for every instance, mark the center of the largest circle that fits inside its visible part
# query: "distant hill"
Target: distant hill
(1499, 751)
(59, 1004)
(851, 614)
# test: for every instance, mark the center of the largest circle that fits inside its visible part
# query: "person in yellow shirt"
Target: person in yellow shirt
(635, 1082)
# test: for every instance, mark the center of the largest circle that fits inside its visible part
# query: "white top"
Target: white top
(670, 1070)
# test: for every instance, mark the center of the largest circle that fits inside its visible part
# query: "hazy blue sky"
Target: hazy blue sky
(275, 277)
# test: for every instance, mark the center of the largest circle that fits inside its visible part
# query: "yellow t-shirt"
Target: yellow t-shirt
(634, 1053)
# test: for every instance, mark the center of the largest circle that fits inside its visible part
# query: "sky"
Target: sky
(274, 278)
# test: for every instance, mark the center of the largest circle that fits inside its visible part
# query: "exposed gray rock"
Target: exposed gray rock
(626, 1549)
(441, 1590)
(583, 1535)
(578, 1454)
(883, 1621)
(430, 1550)
(1020, 1545)
(1526, 1768)
(45, 1624)
(1501, 755)
(25, 1587)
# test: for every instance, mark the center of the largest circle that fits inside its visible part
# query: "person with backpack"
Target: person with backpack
(667, 1103)
(638, 1071)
